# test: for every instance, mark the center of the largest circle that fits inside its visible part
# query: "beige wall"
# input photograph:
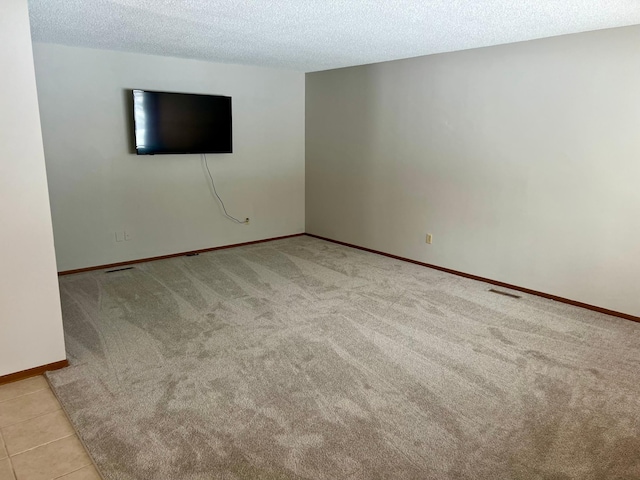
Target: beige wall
(164, 201)
(522, 160)
(30, 320)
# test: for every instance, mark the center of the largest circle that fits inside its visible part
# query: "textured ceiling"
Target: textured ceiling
(309, 35)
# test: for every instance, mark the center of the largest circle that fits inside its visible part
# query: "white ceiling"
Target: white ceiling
(309, 35)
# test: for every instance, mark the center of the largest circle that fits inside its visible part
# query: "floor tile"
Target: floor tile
(27, 407)
(37, 431)
(51, 461)
(6, 472)
(87, 473)
(3, 451)
(22, 387)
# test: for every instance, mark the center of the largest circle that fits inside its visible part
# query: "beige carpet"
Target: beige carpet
(304, 359)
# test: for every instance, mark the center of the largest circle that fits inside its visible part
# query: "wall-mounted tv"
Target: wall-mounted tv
(181, 123)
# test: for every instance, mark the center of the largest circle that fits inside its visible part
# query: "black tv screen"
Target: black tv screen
(181, 123)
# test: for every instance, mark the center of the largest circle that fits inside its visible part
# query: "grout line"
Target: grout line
(73, 471)
(8, 458)
(31, 418)
(13, 470)
(24, 394)
(41, 445)
(4, 446)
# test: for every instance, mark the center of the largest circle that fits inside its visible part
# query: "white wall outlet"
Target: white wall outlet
(127, 235)
(429, 238)
(119, 236)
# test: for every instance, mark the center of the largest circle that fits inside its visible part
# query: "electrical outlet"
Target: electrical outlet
(127, 235)
(119, 236)
(429, 238)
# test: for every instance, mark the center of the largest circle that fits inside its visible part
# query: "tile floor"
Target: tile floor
(37, 441)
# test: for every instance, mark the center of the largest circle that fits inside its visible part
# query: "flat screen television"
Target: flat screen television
(181, 123)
